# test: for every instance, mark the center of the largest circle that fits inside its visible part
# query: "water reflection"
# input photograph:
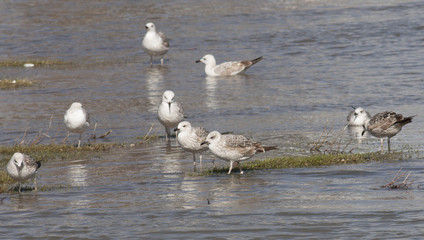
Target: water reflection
(154, 82)
(216, 84)
(77, 173)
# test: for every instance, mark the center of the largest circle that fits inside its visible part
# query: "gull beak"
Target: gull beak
(355, 116)
(198, 60)
(204, 143)
(169, 104)
(176, 129)
(146, 27)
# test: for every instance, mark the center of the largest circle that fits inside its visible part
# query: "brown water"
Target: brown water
(320, 57)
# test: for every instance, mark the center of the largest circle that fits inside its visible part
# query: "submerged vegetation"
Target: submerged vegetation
(15, 83)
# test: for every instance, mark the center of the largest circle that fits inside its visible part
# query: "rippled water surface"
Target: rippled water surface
(320, 58)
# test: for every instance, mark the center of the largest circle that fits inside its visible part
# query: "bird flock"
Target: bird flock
(228, 147)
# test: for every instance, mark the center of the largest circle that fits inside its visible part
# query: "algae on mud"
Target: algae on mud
(36, 63)
(310, 161)
(46, 153)
(15, 83)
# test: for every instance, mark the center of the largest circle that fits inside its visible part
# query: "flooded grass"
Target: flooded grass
(15, 83)
(309, 161)
(31, 63)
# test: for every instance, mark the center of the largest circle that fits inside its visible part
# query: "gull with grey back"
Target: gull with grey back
(76, 120)
(155, 43)
(170, 112)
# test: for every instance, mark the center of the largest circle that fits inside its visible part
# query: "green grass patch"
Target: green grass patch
(37, 63)
(15, 83)
(308, 161)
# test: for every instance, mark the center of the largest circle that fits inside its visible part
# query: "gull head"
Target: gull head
(361, 114)
(150, 26)
(76, 105)
(212, 138)
(183, 126)
(168, 97)
(207, 59)
(18, 160)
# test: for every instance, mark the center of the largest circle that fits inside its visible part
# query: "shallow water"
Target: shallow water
(320, 57)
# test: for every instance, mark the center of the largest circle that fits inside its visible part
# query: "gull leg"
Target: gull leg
(79, 141)
(239, 165)
(20, 187)
(200, 158)
(35, 183)
(382, 149)
(231, 167)
(194, 162)
(167, 136)
(161, 61)
(388, 144)
(151, 60)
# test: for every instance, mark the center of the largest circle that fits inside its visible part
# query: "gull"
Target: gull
(155, 43)
(386, 124)
(76, 119)
(233, 148)
(190, 139)
(22, 167)
(170, 112)
(226, 68)
(357, 117)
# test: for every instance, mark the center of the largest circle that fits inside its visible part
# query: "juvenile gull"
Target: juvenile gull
(170, 112)
(226, 68)
(357, 117)
(386, 124)
(233, 148)
(76, 119)
(22, 167)
(190, 139)
(155, 43)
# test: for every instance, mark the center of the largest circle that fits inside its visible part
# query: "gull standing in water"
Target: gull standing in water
(357, 117)
(170, 112)
(226, 68)
(233, 148)
(386, 124)
(155, 43)
(22, 167)
(190, 139)
(76, 120)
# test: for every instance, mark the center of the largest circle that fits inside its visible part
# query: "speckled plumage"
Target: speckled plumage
(226, 68)
(233, 148)
(190, 139)
(386, 124)
(22, 167)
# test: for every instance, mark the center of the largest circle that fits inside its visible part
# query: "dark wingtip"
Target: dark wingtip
(38, 164)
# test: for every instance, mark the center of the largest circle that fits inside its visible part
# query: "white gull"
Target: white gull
(170, 112)
(76, 119)
(155, 43)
